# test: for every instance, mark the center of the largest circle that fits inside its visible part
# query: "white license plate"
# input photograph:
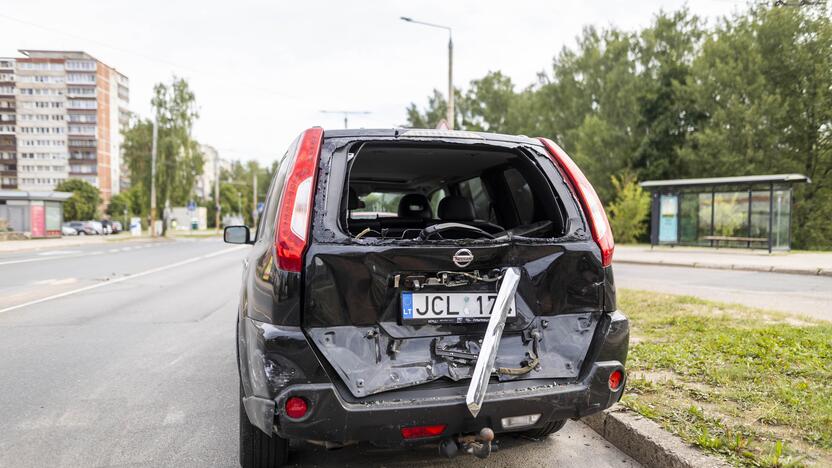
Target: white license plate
(449, 306)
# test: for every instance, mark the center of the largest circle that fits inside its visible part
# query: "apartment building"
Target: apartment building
(212, 166)
(8, 119)
(68, 113)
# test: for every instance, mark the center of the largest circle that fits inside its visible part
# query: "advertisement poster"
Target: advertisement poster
(668, 219)
(37, 216)
(53, 220)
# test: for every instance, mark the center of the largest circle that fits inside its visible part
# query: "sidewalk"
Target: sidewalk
(67, 241)
(802, 263)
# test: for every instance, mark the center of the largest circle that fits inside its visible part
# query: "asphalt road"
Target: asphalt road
(124, 355)
(799, 294)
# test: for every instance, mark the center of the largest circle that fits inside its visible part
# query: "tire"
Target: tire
(550, 428)
(257, 450)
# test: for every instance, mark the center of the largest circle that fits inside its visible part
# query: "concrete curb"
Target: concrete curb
(740, 267)
(646, 442)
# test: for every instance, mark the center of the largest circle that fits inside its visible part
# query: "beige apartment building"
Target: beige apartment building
(69, 112)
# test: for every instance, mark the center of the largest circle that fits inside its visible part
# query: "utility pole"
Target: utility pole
(346, 114)
(153, 177)
(450, 81)
(217, 190)
(450, 115)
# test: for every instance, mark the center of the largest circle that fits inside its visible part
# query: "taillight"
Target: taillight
(292, 230)
(296, 407)
(416, 432)
(593, 208)
(616, 377)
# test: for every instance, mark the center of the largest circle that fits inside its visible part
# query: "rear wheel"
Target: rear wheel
(257, 450)
(544, 431)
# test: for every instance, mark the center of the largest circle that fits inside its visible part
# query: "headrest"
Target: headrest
(456, 208)
(414, 205)
(354, 203)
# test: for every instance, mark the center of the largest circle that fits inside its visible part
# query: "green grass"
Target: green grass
(750, 385)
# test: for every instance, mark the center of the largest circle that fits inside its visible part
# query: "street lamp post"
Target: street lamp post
(450, 116)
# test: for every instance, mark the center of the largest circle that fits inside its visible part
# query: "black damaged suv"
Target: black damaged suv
(424, 286)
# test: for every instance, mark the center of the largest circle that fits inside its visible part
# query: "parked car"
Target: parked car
(67, 230)
(96, 226)
(481, 303)
(82, 228)
(117, 227)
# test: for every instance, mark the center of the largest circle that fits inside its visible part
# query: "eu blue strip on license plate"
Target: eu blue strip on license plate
(407, 305)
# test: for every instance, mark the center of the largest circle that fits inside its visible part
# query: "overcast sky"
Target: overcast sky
(263, 70)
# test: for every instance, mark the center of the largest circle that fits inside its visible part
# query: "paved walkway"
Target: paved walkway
(67, 241)
(806, 263)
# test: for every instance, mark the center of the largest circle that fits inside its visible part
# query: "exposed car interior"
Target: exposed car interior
(446, 192)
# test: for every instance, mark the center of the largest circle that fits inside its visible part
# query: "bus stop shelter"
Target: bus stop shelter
(745, 211)
(40, 214)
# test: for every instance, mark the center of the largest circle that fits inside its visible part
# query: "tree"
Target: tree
(83, 204)
(179, 160)
(628, 212)
(119, 206)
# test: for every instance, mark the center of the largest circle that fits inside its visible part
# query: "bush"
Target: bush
(628, 213)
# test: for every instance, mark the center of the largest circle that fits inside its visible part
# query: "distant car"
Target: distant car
(81, 228)
(68, 231)
(107, 226)
(95, 226)
(117, 228)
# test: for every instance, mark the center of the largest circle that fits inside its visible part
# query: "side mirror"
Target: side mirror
(236, 235)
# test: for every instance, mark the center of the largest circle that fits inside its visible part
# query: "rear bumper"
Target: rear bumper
(334, 419)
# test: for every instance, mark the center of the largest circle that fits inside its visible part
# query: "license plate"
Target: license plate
(449, 306)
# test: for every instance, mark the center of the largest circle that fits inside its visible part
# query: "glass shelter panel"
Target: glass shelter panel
(760, 203)
(731, 216)
(705, 226)
(782, 215)
(689, 218)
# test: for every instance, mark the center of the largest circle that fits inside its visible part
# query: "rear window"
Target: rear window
(412, 191)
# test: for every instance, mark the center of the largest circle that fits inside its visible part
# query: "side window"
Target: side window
(522, 196)
(474, 190)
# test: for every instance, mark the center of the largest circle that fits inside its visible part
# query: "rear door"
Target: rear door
(363, 298)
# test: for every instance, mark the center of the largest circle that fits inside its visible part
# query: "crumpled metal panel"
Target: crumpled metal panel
(369, 360)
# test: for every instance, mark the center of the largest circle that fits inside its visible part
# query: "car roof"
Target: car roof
(428, 133)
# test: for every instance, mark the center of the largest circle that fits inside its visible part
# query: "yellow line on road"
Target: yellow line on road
(123, 278)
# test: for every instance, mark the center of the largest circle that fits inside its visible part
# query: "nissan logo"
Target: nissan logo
(463, 257)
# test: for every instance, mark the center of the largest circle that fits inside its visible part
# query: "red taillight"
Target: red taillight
(296, 407)
(615, 379)
(292, 228)
(593, 208)
(416, 432)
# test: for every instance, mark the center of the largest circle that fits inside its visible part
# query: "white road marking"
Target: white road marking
(123, 278)
(59, 252)
(56, 282)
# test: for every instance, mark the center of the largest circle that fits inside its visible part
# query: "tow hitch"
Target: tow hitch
(478, 445)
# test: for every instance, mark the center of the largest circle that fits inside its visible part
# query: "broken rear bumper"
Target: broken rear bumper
(333, 418)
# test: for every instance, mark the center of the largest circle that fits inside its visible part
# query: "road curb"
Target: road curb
(721, 266)
(646, 442)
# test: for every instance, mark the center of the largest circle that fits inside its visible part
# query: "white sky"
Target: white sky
(263, 70)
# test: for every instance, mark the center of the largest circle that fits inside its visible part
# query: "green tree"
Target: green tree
(83, 204)
(119, 205)
(628, 212)
(179, 160)
(763, 79)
